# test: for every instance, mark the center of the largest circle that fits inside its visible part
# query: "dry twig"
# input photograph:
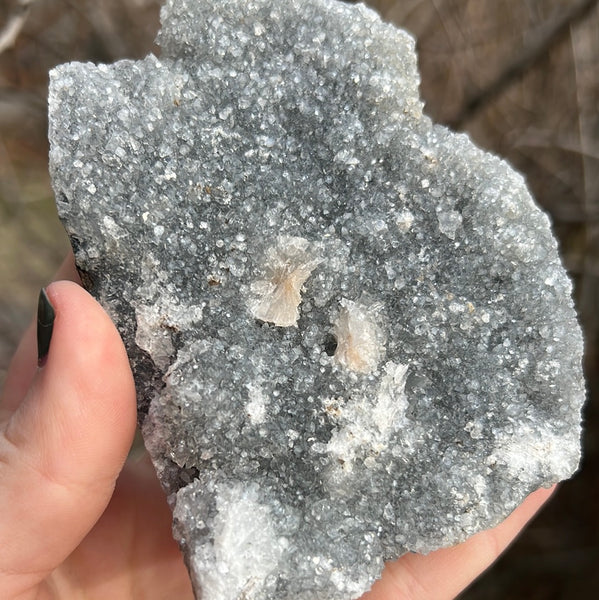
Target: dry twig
(10, 32)
(525, 59)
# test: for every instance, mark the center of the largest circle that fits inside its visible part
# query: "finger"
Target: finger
(21, 371)
(62, 449)
(67, 270)
(443, 574)
(155, 567)
(24, 363)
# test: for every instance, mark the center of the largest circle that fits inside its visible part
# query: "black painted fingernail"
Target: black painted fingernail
(45, 325)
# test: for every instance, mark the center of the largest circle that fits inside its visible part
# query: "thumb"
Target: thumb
(62, 448)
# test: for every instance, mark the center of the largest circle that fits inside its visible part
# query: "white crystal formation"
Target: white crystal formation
(277, 293)
(350, 329)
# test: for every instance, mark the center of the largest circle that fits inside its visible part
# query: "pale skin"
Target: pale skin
(77, 521)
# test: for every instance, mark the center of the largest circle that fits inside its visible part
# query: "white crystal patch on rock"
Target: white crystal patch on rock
(360, 341)
(245, 549)
(364, 427)
(286, 267)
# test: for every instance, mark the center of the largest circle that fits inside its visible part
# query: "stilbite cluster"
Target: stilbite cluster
(350, 329)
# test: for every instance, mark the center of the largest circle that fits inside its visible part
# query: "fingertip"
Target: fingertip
(86, 377)
(23, 366)
(77, 420)
(67, 270)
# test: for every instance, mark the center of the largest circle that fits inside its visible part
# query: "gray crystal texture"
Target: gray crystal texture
(350, 329)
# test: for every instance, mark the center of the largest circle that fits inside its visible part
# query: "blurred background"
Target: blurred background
(520, 76)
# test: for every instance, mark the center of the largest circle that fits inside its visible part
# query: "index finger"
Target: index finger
(23, 365)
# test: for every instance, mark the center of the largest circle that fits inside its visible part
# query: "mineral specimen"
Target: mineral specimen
(349, 327)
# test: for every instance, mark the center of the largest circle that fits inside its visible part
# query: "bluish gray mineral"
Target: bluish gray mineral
(350, 329)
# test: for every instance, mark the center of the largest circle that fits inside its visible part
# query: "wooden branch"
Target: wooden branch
(10, 32)
(523, 62)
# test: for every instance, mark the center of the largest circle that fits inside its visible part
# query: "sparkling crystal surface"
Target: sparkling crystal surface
(350, 329)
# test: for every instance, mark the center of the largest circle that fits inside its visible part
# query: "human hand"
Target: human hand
(443, 574)
(72, 525)
(75, 524)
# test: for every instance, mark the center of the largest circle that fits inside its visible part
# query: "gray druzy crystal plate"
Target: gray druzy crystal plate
(350, 329)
